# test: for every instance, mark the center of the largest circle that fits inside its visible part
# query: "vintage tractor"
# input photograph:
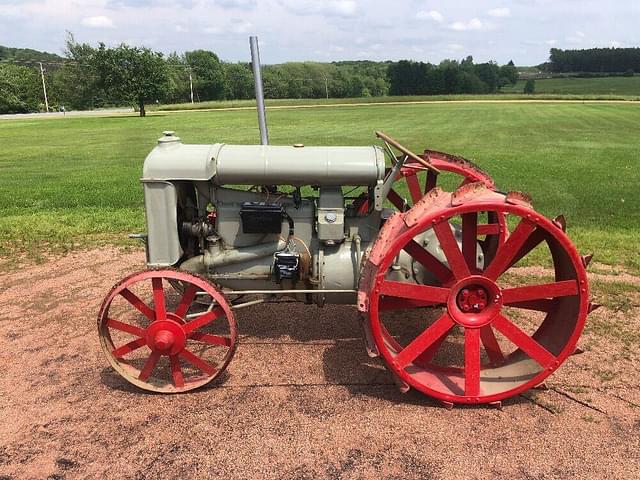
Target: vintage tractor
(231, 226)
(436, 277)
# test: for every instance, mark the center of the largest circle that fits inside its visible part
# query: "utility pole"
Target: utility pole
(191, 85)
(326, 86)
(44, 88)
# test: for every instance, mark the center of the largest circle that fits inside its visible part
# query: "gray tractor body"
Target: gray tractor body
(202, 218)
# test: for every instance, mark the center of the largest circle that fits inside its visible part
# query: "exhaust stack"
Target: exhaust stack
(257, 77)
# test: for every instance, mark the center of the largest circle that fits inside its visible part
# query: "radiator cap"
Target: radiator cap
(168, 136)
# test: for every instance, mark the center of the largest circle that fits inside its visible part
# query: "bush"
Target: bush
(530, 87)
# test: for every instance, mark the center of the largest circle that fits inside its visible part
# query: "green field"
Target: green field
(508, 93)
(624, 86)
(75, 180)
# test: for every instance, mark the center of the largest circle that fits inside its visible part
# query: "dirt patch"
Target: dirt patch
(301, 399)
(617, 275)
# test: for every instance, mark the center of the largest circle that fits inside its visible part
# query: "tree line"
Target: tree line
(594, 60)
(449, 77)
(92, 77)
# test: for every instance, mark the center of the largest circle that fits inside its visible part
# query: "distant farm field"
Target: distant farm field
(625, 86)
(75, 180)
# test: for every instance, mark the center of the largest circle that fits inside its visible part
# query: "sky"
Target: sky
(298, 30)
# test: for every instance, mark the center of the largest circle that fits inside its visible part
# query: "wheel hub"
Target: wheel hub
(166, 337)
(164, 340)
(474, 302)
(473, 299)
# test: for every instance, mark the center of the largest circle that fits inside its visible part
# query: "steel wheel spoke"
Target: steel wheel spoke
(176, 372)
(428, 261)
(470, 239)
(429, 353)
(535, 239)
(535, 292)
(158, 299)
(202, 320)
(449, 246)
(129, 347)
(138, 304)
(197, 362)
(211, 339)
(471, 362)
(431, 181)
(187, 300)
(523, 341)
(414, 292)
(491, 345)
(393, 303)
(489, 229)
(509, 249)
(542, 305)
(149, 365)
(396, 200)
(424, 340)
(414, 188)
(125, 327)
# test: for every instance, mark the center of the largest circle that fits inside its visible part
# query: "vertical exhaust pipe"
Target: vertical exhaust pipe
(257, 78)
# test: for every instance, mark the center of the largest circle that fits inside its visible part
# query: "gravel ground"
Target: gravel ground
(301, 399)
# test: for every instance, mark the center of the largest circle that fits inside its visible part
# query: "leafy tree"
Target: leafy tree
(20, 90)
(131, 74)
(508, 74)
(75, 84)
(489, 74)
(209, 78)
(239, 80)
(596, 60)
(530, 87)
(178, 90)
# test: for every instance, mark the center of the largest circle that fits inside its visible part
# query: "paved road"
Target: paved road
(85, 113)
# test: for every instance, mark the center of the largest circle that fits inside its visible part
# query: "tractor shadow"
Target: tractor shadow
(338, 331)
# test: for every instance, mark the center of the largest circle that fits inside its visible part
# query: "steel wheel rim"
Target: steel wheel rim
(167, 334)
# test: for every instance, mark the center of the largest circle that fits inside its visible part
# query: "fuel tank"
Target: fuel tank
(264, 164)
(298, 165)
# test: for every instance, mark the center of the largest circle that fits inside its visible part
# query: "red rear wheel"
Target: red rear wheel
(488, 333)
(165, 341)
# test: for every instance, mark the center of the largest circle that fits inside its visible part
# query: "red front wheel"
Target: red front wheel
(164, 341)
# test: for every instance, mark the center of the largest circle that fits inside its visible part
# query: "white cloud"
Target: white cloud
(346, 8)
(241, 4)
(578, 37)
(340, 8)
(551, 42)
(233, 26)
(499, 12)
(100, 21)
(430, 15)
(473, 24)
(455, 47)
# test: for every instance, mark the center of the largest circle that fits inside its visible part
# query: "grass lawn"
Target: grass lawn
(509, 93)
(75, 180)
(582, 86)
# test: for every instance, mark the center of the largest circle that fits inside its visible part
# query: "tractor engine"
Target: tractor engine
(265, 217)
